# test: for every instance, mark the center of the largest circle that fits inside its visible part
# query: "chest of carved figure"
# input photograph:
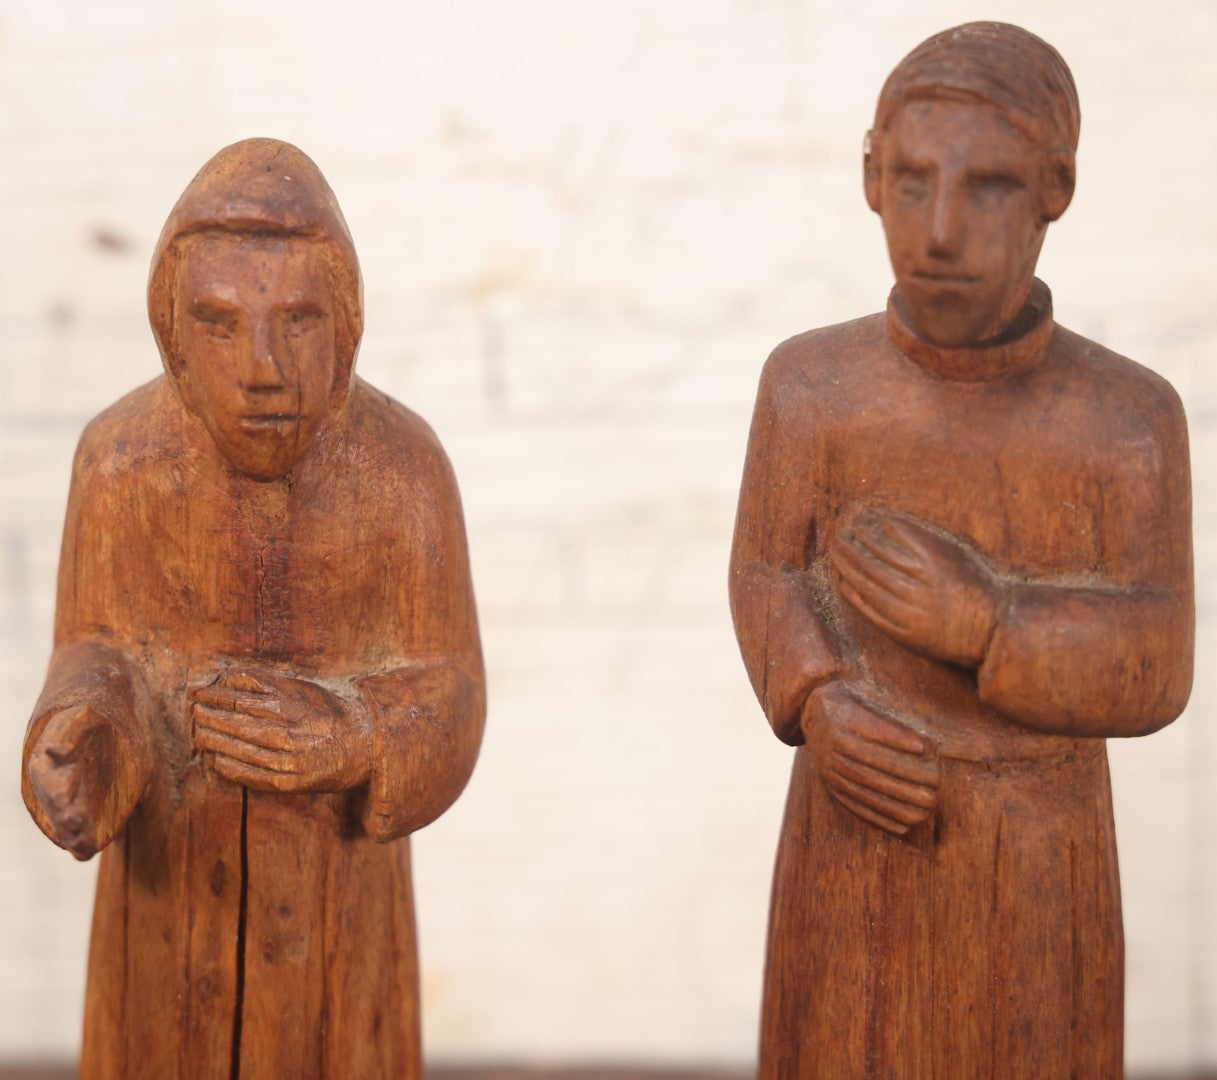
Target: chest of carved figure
(1007, 462)
(261, 571)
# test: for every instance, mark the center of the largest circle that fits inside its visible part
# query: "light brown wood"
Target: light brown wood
(266, 671)
(962, 561)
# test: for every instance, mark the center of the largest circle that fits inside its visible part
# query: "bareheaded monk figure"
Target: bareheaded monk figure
(962, 562)
(266, 669)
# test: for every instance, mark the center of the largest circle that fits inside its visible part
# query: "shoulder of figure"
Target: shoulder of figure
(815, 360)
(392, 437)
(141, 426)
(1131, 400)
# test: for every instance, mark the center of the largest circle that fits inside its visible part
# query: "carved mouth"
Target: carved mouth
(936, 278)
(269, 421)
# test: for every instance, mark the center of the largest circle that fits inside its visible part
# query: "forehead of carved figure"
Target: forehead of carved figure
(254, 336)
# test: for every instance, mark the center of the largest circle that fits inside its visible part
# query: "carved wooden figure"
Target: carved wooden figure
(266, 669)
(962, 561)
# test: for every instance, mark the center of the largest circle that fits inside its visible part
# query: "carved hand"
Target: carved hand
(878, 769)
(272, 732)
(931, 592)
(71, 768)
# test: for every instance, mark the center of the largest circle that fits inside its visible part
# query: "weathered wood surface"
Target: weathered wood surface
(266, 671)
(962, 562)
(553, 1072)
(658, 221)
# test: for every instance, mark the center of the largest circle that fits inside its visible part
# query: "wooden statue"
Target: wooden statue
(962, 561)
(266, 669)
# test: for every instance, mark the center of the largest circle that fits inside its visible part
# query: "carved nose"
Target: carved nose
(947, 228)
(265, 371)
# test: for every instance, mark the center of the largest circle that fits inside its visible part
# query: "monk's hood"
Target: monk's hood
(261, 186)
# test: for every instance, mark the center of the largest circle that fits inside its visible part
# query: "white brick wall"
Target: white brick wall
(583, 224)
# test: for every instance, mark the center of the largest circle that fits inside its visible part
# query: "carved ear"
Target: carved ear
(1059, 178)
(870, 169)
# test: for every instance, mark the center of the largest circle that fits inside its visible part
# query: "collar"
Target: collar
(1020, 346)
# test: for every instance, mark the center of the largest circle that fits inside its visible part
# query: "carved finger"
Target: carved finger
(895, 787)
(899, 598)
(272, 735)
(879, 543)
(890, 578)
(909, 534)
(249, 753)
(252, 776)
(864, 812)
(242, 701)
(856, 720)
(873, 614)
(905, 813)
(913, 770)
(244, 680)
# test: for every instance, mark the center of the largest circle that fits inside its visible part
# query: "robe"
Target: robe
(240, 932)
(988, 940)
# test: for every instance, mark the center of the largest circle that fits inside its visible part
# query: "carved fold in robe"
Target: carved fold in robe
(284, 920)
(240, 932)
(987, 941)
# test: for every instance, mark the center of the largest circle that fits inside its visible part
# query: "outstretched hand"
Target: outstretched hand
(273, 732)
(931, 592)
(71, 769)
(878, 769)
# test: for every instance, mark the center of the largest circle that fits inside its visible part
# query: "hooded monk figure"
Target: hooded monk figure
(266, 670)
(962, 561)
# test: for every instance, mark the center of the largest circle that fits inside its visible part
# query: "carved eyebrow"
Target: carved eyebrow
(302, 307)
(301, 310)
(212, 309)
(997, 178)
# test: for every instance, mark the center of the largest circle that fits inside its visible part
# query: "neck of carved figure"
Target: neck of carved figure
(1018, 347)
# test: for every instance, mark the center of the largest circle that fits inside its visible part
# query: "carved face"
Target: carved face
(255, 337)
(958, 189)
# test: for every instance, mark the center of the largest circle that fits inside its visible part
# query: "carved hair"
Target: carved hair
(264, 188)
(996, 64)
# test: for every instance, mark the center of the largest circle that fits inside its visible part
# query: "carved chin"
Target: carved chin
(948, 320)
(263, 456)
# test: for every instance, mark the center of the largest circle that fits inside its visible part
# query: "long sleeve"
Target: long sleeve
(776, 592)
(427, 711)
(426, 729)
(89, 667)
(98, 675)
(1112, 657)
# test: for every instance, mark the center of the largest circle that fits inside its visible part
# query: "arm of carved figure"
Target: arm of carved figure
(406, 733)
(427, 727)
(877, 768)
(1105, 659)
(1102, 662)
(777, 598)
(427, 709)
(88, 753)
(275, 732)
(930, 591)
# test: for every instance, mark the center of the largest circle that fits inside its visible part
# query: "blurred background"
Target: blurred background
(583, 224)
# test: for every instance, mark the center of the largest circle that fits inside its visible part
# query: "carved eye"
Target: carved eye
(993, 188)
(302, 319)
(216, 322)
(912, 185)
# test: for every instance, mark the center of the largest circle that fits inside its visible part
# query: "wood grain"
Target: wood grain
(267, 670)
(962, 561)
(554, 1072)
